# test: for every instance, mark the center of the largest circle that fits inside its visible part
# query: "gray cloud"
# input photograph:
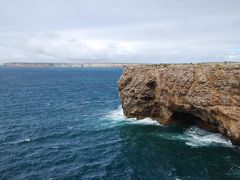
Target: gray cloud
(119, 31)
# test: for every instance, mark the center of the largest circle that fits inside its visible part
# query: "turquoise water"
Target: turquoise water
(60, 123)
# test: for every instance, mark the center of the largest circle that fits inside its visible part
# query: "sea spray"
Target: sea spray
(118, 115)
(195, 136)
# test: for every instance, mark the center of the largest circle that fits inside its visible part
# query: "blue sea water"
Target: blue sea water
(67, 123)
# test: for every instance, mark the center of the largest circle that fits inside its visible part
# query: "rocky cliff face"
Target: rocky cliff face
(205, 94)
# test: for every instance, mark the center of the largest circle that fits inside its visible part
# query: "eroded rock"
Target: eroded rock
(209, 92)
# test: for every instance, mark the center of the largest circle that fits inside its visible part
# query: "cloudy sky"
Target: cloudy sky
(149, 31)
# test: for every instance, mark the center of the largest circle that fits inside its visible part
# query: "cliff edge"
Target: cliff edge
(204, 94)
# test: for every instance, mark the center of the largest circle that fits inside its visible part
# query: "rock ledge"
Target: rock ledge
(205, 94)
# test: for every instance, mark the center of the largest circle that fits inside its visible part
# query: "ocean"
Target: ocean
(67, 123)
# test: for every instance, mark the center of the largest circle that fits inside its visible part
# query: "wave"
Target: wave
(21, 141)
(195, 136)
(118, 115)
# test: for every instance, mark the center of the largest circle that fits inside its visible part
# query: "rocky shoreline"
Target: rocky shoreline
(206, 94)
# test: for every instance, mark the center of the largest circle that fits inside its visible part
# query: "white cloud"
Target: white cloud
(119, 31)
(64, 47)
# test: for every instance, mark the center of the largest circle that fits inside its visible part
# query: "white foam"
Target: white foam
(147, 121)
(118, 115)
(195, 136)
(55, 147)
(21, 141)
(27, 140)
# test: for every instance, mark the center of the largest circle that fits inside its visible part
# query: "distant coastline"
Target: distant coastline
(97, 65)
(43, 65)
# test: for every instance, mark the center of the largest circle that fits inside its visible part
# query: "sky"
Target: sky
(123, 31)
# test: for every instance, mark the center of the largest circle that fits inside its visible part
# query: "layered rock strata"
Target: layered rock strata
(205, 94)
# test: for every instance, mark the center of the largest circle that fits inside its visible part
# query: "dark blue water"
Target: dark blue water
(61, 123)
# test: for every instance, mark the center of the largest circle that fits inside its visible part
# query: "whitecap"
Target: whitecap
(195, 136)
(55, 147)
(21, 141)
(118, 115)
(27, 140)
(147, 121)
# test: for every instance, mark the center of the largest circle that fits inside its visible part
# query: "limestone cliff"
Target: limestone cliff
(206, 94)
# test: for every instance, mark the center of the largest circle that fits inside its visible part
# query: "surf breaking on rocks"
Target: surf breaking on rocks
(192, 136)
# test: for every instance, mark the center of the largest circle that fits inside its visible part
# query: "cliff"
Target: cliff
(207, 95)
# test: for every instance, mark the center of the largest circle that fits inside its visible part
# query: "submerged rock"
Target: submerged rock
(205, 94)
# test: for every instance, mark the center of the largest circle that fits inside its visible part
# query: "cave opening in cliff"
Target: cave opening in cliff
(184, 118)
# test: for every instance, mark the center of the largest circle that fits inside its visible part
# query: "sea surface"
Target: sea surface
(67, 123)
